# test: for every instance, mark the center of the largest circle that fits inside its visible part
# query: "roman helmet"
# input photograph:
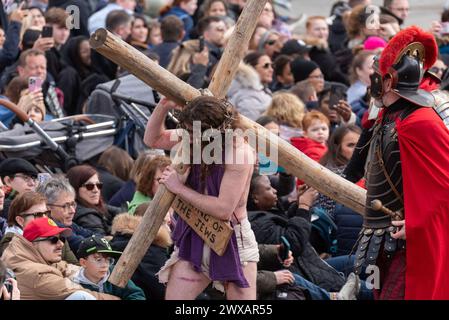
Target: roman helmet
(405, 60)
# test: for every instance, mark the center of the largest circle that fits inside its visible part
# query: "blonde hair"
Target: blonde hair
(287, 109)
(182, 57)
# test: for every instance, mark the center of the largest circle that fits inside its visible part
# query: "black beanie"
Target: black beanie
(301, 68)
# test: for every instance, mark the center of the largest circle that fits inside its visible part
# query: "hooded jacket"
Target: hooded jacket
(39, 280)
(314, 150)
(247, 93)
(145, 277)
(130, 292)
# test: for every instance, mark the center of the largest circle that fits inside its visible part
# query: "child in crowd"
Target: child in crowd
(316, 133)
(96, 258)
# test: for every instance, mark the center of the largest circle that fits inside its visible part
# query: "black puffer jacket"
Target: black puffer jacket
(95, 221)
(268, 228)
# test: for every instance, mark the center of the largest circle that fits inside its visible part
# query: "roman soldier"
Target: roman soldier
(407, 176)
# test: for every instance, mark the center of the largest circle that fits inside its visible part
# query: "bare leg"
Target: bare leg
(184, 282)
(233, 292)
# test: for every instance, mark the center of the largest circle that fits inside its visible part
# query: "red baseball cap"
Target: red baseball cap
(42, 228)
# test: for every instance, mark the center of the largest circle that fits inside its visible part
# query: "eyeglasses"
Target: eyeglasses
(26, 178)
(53, 240)
(267, 65)
(102, 260)
(65, 206)
(37, 214)
(271, 42)
(91, 186)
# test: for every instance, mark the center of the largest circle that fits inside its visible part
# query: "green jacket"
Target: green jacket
(137, 200)
(130, 292)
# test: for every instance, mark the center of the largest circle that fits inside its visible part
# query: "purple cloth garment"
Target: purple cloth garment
(224, 268)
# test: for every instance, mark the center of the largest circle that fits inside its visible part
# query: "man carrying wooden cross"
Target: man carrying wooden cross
(220, 190)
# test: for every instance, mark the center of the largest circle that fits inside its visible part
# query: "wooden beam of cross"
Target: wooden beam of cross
(294, 161)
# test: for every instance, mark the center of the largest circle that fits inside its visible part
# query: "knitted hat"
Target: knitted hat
(301, 68)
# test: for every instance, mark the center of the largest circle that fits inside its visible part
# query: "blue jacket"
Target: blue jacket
(124, 195)
(78, 234)
(6, 115)
(184, 16)
(10, 50)
(164, 51)
(349, 224)
(359, 107)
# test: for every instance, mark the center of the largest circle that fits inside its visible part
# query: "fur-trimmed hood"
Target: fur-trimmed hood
(126, 224)
(246, 77)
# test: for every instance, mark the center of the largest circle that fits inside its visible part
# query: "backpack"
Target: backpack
(324, 226)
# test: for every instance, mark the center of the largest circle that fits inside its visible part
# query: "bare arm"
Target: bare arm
(232, 189)
(156, 136)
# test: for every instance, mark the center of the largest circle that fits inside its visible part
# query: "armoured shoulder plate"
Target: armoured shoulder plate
(442, 105)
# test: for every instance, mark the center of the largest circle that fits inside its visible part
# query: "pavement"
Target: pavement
(422, 12)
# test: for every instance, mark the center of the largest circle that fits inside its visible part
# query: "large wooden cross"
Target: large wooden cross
(294, 161)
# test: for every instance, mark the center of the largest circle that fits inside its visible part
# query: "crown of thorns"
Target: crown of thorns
(224, 107)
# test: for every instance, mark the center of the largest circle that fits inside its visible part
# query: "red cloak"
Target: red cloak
(424, 147)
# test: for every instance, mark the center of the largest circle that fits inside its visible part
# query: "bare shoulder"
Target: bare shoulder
(244, 157)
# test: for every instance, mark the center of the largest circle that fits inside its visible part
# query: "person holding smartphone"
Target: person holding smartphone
(10, 50)
(8, 285)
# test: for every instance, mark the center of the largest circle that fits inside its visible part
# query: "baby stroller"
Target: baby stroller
(130, 101)
(57, 145)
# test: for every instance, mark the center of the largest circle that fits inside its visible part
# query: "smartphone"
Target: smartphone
(47, 32)
(34, 84)
(9, 287)
(335, 97)
(285, 248)
(43, 177)
(201, 46)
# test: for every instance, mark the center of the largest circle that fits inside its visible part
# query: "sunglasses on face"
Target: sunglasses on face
(37, 214)
(271, 42)
(53, 240)
(91, 186)
(267, 65)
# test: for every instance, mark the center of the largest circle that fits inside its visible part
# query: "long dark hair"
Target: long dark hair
(333, 156)
(71, 55)
(78, 176)
(212, 113)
